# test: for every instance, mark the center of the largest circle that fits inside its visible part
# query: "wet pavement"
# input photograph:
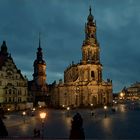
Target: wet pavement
(122, 124)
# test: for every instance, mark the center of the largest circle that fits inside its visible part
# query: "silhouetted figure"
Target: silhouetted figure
(3, 130)
(77, 131)
(113, 110)
(36, 133)
(92, 113)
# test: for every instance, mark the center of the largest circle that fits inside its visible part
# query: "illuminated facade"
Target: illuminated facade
(38, 88)
(13, 85)
(131, 93)
(83, 84)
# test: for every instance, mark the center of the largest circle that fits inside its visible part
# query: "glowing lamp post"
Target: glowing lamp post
(43, 116)
(121, 95)
(68, 109)
(8, 109)
(24, 113)
(63, 106)
(105, 109)
(33, 109)
(92, 113)
(91, 106)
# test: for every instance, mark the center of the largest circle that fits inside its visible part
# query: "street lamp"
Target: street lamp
(121, 95)
(92, 113)
(24, 113)
(43, 116)
(63, 106)
(8, 109)
(105, 108)
(68, 109)
(33, 109)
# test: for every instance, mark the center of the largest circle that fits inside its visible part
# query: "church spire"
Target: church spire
(90, 48)
(39, 52)
(4, 48)
(39, 40)
(90, 17)
(39, 66)
(90, 29)
(90, 9)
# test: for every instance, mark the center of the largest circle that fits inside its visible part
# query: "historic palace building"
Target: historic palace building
(130, 93)
(38, 88)
(83, 84)
(13, 85)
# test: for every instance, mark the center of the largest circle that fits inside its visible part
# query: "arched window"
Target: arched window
(10, 91)
(92, 74)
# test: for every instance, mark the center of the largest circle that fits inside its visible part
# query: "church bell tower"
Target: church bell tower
(39, 75)
(90, 47)
(91, 51)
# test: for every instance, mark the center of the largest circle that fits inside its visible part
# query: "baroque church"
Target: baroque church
(83, 84)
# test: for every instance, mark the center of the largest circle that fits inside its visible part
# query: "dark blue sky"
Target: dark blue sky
(61, 23)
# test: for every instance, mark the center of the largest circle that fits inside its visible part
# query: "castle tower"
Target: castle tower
(39, 75)
(38, 88)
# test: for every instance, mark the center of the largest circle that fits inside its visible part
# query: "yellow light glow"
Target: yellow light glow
(24, 113)
(68, 108)
(121, 94)
(91, 104)
(42, 115)
(105, 107)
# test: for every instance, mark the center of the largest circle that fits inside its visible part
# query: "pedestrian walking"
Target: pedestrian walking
(77, 131)
(36, 132)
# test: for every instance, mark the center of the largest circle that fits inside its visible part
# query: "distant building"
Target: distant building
(115, 96)
(38, 88)
(131, 93)
(83, 84)
(13, 85)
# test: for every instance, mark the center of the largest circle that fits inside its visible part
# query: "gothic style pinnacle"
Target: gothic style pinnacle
(90, 10)
(4, 48)
(39, 41)
(90, 17)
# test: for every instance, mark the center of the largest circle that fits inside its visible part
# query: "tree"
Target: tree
(77, 131)
(3, 130)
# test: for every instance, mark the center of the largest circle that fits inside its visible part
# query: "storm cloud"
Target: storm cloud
(61, 23)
